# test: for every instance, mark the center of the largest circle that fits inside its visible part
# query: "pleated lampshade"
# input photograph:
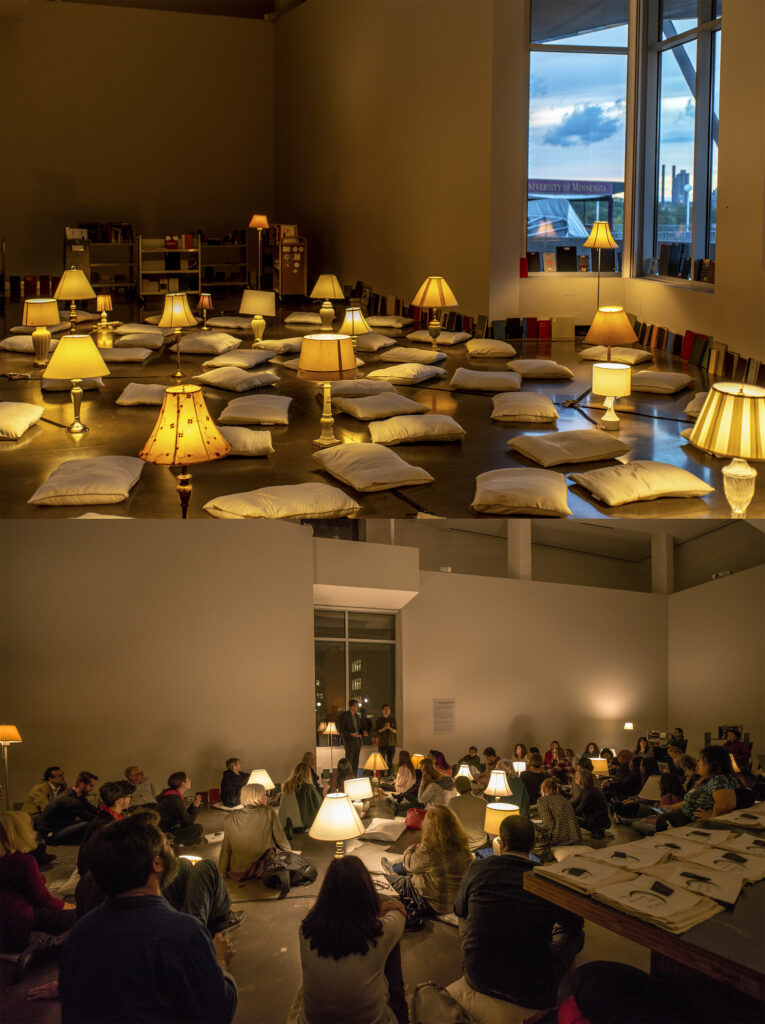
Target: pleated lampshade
(434, 292)
(176, 312)
(184, 433)
(327, 287)
(732, 422)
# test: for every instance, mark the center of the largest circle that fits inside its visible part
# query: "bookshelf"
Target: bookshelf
(169, 264)
(223, 265)
(107, 265)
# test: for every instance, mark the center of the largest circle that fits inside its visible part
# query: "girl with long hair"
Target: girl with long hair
(300, 783)
(433, 785)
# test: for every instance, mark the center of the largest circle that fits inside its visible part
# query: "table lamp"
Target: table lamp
(375, 763)
(600, 238)
(177, 315)
(40, 314)
(417, 760)
(259, 221)
(434, 294)
(72, 286)
(327, 287)
(259, 776)
(612, 380)
(495, 815)
(610, 326)
(8, 734)
(358, 789)
(205, 303)
(75, 358)
(354, 324)
(103, 306)
(327, 357)
(732, 423)
(336, 821)
(546, 230)
(183, 435)
(519, 766)
(498, 785)
(464, 770)
(257, 304)
(628, 726)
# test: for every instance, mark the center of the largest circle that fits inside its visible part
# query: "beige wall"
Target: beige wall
(112, 113)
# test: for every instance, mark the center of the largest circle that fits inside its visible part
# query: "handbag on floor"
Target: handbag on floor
(283, 869)
(432, 1004)
(415, 817)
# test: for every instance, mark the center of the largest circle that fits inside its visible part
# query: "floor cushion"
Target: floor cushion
(206, 343)
(378, 407)
(231, 323)
(389, 320)
(133, 328)
(541, 368)
(232, 378)
(485, 380)
(619, 354)
(370, 467)
(125, 355)
(244, 441)
(290, 501)
(643, 480)
(142, 394)
(88, 384)
(23, 343)
(360, 386)
(523, 407)
(444, 338)
(145, 339)
(373, 342)
(660, 382)
(257, 409)
(244, 358)
(407, 373)
(568, 446)
(102, 480)
(489, 348)
(279, 346)
(416, 429)
(526, 492)
(303, 317)
(412, 355)
(17, 417)
(694, 407)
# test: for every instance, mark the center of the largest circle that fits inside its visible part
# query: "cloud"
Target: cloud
(585, 124)
(538, 86)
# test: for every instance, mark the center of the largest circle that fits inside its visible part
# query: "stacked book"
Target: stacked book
(750, 817)
(585, 874)
(660, 902)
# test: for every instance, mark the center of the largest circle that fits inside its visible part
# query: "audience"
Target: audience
(519, 795)
(591, 806)
(64, 821)
(472, 760)
(232, 781)
(249, 834)
(144, 798)
(678, 739)
(520, 753)
(643, 748)
(405, 785)
(470, 811)
(176, 819)
(533, 777)
(591, 750)
(337, 779)
(309, 758)
(555, 753)
(433, 785)
(115, 797)
(307, 795)
(686, 767)
(559, 826)
(53, 784)
(714, 795)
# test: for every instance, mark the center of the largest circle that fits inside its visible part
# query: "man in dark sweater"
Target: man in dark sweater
(175, 818)
(232, 782)
(136, 934)
(515, 946)
(65, 820)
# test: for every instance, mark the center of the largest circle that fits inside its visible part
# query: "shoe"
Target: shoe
(386, 865)
(44, 858)
(41, 950)
(235, 918)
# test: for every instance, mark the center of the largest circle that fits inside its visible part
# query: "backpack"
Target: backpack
(283, 869)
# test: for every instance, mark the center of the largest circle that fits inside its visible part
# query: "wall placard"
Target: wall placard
(443, 715)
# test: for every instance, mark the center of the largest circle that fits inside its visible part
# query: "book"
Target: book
(544, 329)
(530, 327)
(481, 326)
(687, 345)
(698, 350)
(524, 267)
(661, 339)
(566, 257)
(498, 328)
(513, 327)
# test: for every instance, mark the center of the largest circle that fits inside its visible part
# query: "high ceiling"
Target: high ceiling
(270, 9)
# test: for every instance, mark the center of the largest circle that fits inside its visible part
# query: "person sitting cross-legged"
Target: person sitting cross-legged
(53, 784)
(232, 782)
(65, 820)
(248, 834)
(470, 812)
(175, 818)
(115, 798)
(143, 797)
(559, 826)
(590, 806)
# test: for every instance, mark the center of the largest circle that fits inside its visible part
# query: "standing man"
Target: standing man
(386, 730)
(352, 726)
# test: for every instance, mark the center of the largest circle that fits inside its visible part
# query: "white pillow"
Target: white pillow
(98, 515)
(17, 417)
(389, 321)
(373, 342)
(231, 378)
(23, 343)
(407, 373)
(362, 386)
(231, 323)
(489, 348)
(102, 480)
(248, 442)
(48, 384)
(291, 501)
(412, 355)
(569, 446)
(142, 394)
(125, 355)
(280, 346)
(378, 407)
(523, 407)
(204, 342)
(146, 339)
(660, 382)
(694, 407)
(619, 354)
(414, 429)
(245, 359)
(545, 368)
(370, 467)
(302, 318)
(643, 480)
(527, 492)
(485, 380)
(133, 328)
(444, 338)
(257, 409)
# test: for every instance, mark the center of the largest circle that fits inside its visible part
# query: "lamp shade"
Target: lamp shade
(104, 303)
(205, 301)
(417, 760)
(176, 312)
(257, 302)
(354, 323)
(546, 230)
(600, 237)
(184, 432)
(9, 734)
(259, 776)
(336, 819)
(434, 291)
(330, 729)
(628, 726)
(463, 770)
(358, 789)
(613, 380)
(259, 220)
(495, 815)
(327, 287)
(75, 358)
(74, 285)
(519, 766)
(732, 422)
(326, 357)
(375, 763)
(40, 313)
(611, 326)
(498, 784)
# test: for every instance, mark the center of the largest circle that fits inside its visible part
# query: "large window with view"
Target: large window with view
(577, 124)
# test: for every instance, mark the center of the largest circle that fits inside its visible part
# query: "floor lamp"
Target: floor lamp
(177, 315)
(8, 734)
(600, 238)
(259, 221)
(331, 730)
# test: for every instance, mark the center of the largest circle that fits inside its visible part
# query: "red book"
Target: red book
(687, 346)
(544, 329)
(524, 271)
(654, 334)
(530, 327)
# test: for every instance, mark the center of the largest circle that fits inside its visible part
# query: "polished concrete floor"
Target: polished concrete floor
(651, 425)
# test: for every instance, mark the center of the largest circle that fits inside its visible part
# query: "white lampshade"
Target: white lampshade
(9, 734)
(495, 815)
(354, 323)
(463, 770)
(254, 302)
(611, 326)
(40, 313)
(358, 789)
(190, 857)
(600, 237)
(75, 358)
(325, 357)
(176, 312)
(613, 380)
(104, 303)
(336, 819)
(330, 729)
(375, 763)
(327, 287)
(74, 285)
(732, 422)
(261, 777)
(434, 292)
(519, 766)
(259, 220)
(628, 726)
(498, 784)
(184, 433)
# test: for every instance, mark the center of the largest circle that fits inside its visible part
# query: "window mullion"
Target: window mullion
(702, 151)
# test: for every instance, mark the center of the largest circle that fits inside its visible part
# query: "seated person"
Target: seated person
(559, 826)
(643, 748)
(490, 760)
(515, 946)
(608, 755)
(145, 960)
(737, 748)
(520, 752)
(65, 820)
(714, 795)
(519, 795)
(533, 777)
(337, 779)
(591, 750)
(678, 739)
(591, 806)
(686, 768)
(470, 812)
(232, 781)
(439, 760)
(619, 767)
(143, 797)
(434, 786)
(647, 797)
(310, 759)
(553, 754)
(249, 833)
(115, 797)
(405, 786)
(471, 759)
(176, 819)
(349, 951)
(626, 782)
(53, 784)
(307, 795)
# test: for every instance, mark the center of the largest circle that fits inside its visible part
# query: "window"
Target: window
(679, 127)
(577, 119)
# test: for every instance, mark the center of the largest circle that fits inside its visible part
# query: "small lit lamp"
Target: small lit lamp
(612, 380)
(417, 760)
(205, 303)
(75, 358)
(628, 726)
(358, 790)
(330, 730)
(434, 294)
(190, 857)
(463, 770)
(611, 327)
(177, 315)
(183, 435)
(324, 358)
(354, 324)
(257, 304)
(103, 306)
(546, 230)
(336, 821)
(8, 734)
(259, 776)
(519, 766)
(498, 785)
(259, 221)
(600, 238)
(327, 287)
(495, 815)
(72, 286)
(732, 423)
(40, 314)
(375, 763)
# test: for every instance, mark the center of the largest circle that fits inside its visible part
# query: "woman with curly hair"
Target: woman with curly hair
(434, 786)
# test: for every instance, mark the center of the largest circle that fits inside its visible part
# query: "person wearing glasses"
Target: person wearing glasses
(53, 784)
(144, 797)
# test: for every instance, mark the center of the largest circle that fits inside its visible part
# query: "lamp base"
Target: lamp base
(41, 345)
(327, 437)
(738, 481)
(76, 427)
(327, 315)
(179, 374)
(339, 849)
(184, 492)
(610, 421)
(434, 329)
(258, 325)
(204, 326)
